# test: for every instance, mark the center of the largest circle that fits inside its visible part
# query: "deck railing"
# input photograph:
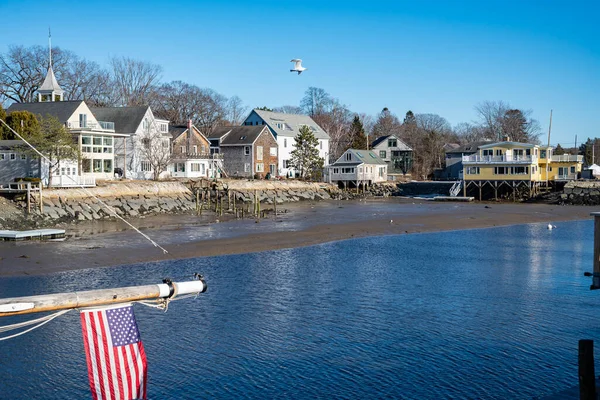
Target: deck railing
(475, 158)
(567, 158)
(73, 181)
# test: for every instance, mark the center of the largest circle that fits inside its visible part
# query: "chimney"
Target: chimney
(189, 137)
(506, 138)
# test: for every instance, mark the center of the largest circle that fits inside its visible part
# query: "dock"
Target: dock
(35, 234)
(453, 198)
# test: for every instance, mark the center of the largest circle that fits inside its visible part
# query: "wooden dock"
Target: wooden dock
(35, 234)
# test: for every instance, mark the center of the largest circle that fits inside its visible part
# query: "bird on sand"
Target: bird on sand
(297, 66)
(550, 226)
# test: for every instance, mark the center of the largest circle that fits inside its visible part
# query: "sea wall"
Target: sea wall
(138, 198)
(581, 192)
(416, 188)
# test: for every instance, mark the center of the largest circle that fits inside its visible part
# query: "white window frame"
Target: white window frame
(246, 167)
(259, 153)
(260, 167)
(273, 151)
(246, 150)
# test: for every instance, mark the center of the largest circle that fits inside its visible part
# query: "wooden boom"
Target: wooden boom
(100, 297)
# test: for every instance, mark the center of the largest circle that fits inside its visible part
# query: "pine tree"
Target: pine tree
(305, 157)
(357, 135)
(558, 151)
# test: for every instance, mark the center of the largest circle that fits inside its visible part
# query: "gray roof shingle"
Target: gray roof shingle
(290, 123)
(60, 109)
(126, 119)
(237, 135)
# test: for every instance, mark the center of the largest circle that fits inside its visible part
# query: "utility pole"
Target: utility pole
(548, 149)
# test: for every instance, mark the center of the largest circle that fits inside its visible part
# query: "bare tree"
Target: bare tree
(315, 101)
(490, 115)
(236, 111)
(134, 80)
(85, 80)
(289, 110)
(519, 126)
(336, 120)
(156, 149)
(22, 71)
(468, 133)
(386, 124)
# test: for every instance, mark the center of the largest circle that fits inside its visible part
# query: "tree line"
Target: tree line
(129, 82)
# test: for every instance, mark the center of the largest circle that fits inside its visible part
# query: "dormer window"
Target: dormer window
(242, 137)
(348, 156)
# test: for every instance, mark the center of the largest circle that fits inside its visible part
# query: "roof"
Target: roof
(403, 146)
(236, 135)
(468, 148)
(10, 144)
(126, 119)
(366, 156)
(50, 83)
(291, 123)
(63, 110)
(177, 130)
(507, 144)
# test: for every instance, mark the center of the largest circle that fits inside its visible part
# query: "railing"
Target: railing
(100, 126)
(565, 177)
(567, 158)
(455, 189)
(73, 181)
(499, 159)
(196, 156)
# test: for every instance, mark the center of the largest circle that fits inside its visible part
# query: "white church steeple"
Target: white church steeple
(50, 90)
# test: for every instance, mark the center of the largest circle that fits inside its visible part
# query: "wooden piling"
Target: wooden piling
(596, 275)
(28, 197)
(587, 375)
(41, 199)
(275, 206)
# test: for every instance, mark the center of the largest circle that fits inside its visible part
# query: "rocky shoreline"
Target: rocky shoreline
(135, 199)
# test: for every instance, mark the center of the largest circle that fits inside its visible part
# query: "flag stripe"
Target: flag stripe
(115, 354)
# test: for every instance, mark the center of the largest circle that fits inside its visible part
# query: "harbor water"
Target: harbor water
(474, 314)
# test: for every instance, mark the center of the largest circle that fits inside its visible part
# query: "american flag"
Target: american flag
(115, 355)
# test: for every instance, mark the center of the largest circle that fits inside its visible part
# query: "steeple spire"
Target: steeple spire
(50, 89)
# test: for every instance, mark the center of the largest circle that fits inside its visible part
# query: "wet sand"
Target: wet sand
(97, 244)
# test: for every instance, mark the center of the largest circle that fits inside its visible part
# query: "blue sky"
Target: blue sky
(441, 57)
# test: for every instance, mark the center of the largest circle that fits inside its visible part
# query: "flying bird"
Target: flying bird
(297, 66)
(550, 226)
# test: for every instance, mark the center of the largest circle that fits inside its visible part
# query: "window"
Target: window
(381, 171)
(86, 140)
(13, 156)
(348, 156)
(500, 170)
(498, 152)
(320, 144)
(487, 152)
(163, 127)
(195, 167)
(285, 163)
(260, 167)
(284, 142)
(97, 166)
(203, 170)
(23, 157)
(542, 153)
(83, 120)
(182, 149)
(179, 167)
(382, 153)
(108, 166)
(2, 156)
(247, 150)
(247, 167)
(107, 141)
(336, 170)
(472, 170)
(392, 143)
(107, 149)
(272, 169)
(347, 170)
(146, 167)
(273, 151)
(259, 152)
(195, 147)
(519, 170)
(97, 140)
(572, 169)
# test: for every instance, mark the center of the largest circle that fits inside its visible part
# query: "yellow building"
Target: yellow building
(498, 168)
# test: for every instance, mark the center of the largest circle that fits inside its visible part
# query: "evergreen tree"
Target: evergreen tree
(305, 156)
(357, 135)
(24, 123)
(410, 119)
(265, 108)
(586, 151)
(558, 151)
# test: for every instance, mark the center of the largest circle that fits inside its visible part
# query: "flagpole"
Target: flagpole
(100, 297)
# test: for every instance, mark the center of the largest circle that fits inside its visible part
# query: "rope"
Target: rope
(45, 320)
(114, 213)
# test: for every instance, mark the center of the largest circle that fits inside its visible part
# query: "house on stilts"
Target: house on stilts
(518, 170)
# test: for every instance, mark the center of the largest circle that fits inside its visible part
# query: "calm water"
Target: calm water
(490, 313)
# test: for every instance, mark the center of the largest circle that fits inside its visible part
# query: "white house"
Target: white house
(137, 127)
(285, 128)
(191, 155)
(357, 168)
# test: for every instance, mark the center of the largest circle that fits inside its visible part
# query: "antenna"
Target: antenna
(49, 48)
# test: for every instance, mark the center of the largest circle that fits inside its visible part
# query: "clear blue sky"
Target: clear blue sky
(439, 57)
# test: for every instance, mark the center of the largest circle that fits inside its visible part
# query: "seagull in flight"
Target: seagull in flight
(550, 226)
(297, 66)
